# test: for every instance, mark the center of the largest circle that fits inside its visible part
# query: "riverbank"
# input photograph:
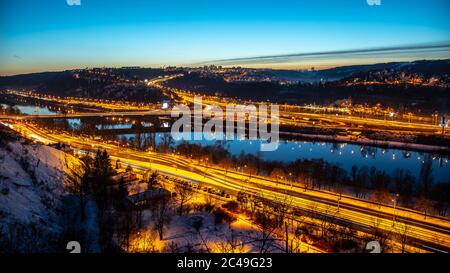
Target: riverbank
(370, 142)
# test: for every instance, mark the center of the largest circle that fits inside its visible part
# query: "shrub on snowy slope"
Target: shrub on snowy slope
(33, 181)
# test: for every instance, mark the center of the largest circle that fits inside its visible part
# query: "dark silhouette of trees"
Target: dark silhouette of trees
(152, 180)
(166, 143)
(100, 175)
(403, 186)
(426, 178)
(377, 233)
(161, 215)
(184, 193)
(441, 194)
(381, 196)
(424, 205)
(278, 174)
(363, 181)
(122, 191)
(83, 187)
(403, 233)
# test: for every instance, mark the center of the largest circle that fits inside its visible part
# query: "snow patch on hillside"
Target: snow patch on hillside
(33, 181)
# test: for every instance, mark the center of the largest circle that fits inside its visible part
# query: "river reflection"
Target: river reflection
(343, 154)
(32, 109)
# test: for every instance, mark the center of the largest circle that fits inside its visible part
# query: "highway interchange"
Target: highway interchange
(432, 233)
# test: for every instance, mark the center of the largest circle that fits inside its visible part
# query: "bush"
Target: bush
(5, 191)
(203, 208)
(324, 246)
(232, 206)
(345, 245)
(221, 216)
(208, 208)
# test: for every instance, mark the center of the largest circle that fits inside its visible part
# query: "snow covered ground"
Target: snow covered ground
(33, 181)
(198, 231)
(183, 235)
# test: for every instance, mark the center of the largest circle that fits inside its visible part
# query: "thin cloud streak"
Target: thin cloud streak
(442, 48)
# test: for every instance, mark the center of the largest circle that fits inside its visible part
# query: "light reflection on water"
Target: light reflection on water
(343, 154)
(33, 110)
(346, 155)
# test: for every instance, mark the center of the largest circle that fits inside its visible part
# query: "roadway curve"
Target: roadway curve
(431, 233)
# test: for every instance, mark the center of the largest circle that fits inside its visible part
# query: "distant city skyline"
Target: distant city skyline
(51, 35)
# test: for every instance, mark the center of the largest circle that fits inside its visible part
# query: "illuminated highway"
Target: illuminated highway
(89, 102)
(330, 121)
(432, 232)
(90, 114)
(291, 116)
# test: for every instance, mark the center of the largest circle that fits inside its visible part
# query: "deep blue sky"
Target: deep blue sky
(37, 35)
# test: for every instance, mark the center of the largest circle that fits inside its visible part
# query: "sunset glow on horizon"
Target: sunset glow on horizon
(52, 35)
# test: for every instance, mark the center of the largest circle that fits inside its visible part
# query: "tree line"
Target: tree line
(421, 193)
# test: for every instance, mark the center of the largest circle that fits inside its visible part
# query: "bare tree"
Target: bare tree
(81, 185)
(303, 179)
(424, 205)
(266, 236)
(426, 177)
(250, 169)
(380, 235)
(143, 241)
(197, 225)
(161, 215)
(254, 201)
(267, 224)
(277, 174)
(242, 198)
(380, 196)
(281, 207)
(184, 194)
(125, 228)
(231, 244)
(313, 209)
(226, 163)
(326, 221)
(210, 201)
(152, 180)
(403, 234)
(166, 143)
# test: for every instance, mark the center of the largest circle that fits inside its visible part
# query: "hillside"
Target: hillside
(34, 179)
